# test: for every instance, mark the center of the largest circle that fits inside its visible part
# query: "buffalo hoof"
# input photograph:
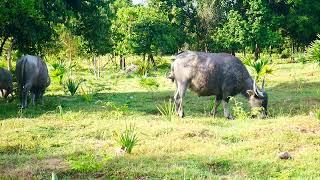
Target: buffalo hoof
(230, 117)
(181, 114)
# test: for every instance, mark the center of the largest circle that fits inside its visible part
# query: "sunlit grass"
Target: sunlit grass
(72, 136)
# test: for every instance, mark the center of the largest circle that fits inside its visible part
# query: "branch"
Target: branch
(3, 43)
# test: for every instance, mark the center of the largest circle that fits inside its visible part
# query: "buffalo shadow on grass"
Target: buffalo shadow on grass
(285, 99)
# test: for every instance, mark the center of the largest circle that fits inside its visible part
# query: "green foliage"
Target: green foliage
(318, 114)
(167, 109)
(149, 83)
(313, 52)
(238, 110)
(232, 36)
(127, 139)
(301, 57)
(72, 86)
(85, 163)
(261, 67)
(59, 71)
(143, 30)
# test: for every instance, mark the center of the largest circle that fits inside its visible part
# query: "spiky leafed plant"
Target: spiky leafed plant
(167, 109)
(127, 139)
(73, 86)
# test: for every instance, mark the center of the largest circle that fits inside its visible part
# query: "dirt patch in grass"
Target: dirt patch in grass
(54, 164)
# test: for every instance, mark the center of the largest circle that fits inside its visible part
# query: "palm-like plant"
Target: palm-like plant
(59, 71)
(73, 86)
(261, 67)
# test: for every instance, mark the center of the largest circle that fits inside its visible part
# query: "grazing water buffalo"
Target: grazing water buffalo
(219, 74)
(32, 75)
(6, 86)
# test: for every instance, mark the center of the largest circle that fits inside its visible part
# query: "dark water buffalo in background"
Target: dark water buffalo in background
(219, 74)
(32, 75)
(6, 86)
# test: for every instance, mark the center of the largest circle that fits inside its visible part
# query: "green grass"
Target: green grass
(73, 137)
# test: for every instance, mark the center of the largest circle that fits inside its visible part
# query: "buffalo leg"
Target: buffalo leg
(226, 108)
(217, 102)
(182, 87)
(176, 97)
(1, 93)
(24, 97)
(33, 98)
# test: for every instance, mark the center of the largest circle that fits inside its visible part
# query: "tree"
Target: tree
(93, 25)
(30, 24)
(233, 34)
(145, 31)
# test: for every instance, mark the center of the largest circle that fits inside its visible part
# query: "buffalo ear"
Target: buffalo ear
(250, 92)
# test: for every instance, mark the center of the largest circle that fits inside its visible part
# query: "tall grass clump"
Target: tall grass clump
(127, 139)
(72, 86)
(167, 109)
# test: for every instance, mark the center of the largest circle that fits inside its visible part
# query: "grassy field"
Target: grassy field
(73, 136)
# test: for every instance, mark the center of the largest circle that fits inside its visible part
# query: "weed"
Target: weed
(318, 114)
(167, 109)
(60, 110)
(127, 139)
(238, 110)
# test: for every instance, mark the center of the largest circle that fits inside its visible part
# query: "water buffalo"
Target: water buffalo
(32, 75)
(6, 86)
(219, 74)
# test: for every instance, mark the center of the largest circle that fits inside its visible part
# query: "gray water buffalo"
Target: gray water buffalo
(32, 75)
(219, 74)
(6, 86)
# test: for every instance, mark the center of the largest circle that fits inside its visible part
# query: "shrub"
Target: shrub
(127, 139)
(73, 86)
(167, 109)
(58, 71)
(313, 51)
(300, 57)
(285, 54)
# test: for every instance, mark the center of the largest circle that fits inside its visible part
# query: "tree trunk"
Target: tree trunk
(9, 53)
(3, 43)
(292, 51)
(244, 52)
(94, 60)
(152, 60)
(98, 67)
(256, 52)
(270, 51)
